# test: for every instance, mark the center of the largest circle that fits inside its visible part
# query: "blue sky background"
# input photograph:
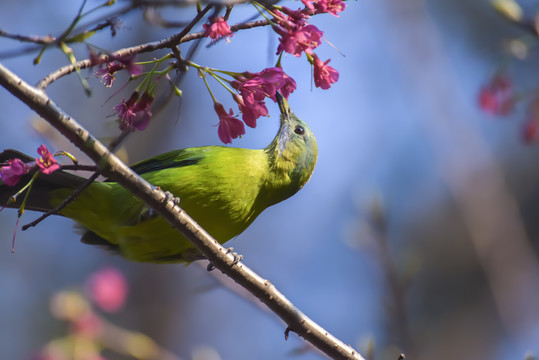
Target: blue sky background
(400, 128)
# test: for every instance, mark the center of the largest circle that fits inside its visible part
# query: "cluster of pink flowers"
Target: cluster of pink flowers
(217, 28)
(135, 113)
(253, 89)
(15, 168)
(296, 35)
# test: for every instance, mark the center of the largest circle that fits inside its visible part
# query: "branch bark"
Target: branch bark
(109, 165)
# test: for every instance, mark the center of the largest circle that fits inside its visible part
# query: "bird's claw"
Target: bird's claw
(237, 259)
(151, 213)
(170, 197)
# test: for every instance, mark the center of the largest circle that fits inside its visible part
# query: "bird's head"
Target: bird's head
(294, 149)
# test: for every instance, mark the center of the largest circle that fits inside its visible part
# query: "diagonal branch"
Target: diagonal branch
(109, 165)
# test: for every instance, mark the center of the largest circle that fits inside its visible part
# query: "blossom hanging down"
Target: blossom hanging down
(324, 75)
(218, 28)
(135, 113)
(47, 163)
(13, 171)
(229, 127)
(16, 168)
(252, 111)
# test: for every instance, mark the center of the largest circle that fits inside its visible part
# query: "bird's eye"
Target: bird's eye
(299, 130)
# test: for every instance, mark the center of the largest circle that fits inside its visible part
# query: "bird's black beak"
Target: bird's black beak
(283, 106)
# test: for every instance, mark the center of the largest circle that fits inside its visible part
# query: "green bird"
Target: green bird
(223, 188)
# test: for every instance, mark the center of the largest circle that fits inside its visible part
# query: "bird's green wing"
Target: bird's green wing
(171, 159)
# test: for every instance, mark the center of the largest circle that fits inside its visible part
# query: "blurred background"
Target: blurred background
(417, 233)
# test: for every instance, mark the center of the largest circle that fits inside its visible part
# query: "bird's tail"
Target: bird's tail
(38, 199)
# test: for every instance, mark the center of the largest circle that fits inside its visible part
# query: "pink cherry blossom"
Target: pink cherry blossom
(47, 163)
(255, 88)
(13, 171)
(324, 75)
(297, 41)
(296, 36)
(252, 111)
(217, 28)
(258, 86)
(135, 113)
(229, 127)
(108, 289)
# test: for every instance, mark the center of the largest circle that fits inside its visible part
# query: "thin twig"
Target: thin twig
(396, 300)
(66, 202)
(36, 39)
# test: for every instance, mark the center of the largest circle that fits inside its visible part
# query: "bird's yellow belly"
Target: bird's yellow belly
(151, 238)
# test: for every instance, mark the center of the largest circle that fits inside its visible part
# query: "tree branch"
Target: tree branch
(109, 165)
(143, 48)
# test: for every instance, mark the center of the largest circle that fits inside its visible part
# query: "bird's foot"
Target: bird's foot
(237, 259)
(170, 196)
(151, 213)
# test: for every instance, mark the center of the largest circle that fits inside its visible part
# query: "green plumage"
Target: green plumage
(224, 189)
